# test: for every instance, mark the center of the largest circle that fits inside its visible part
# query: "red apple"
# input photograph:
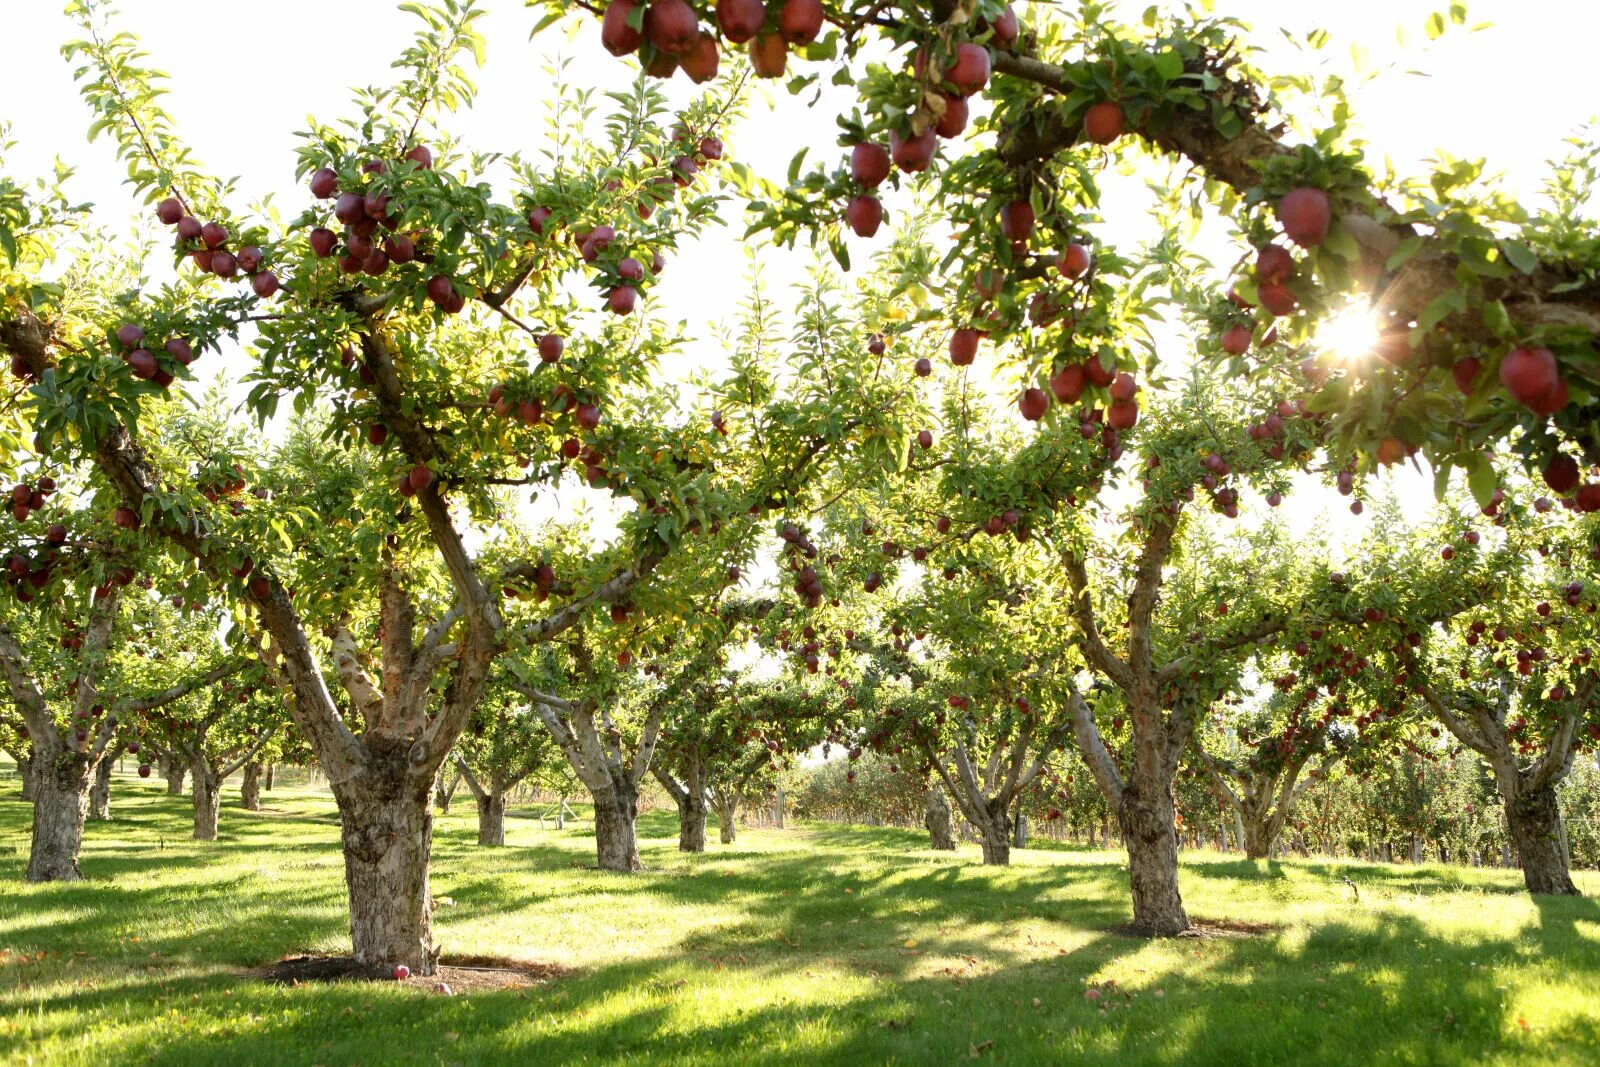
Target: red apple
(769, 55)
(616, 35)
(1104, 122)
(1016, 220)
(800, 20)
(1068, 383)
(550, 347)
(1236, 340)
(622, 299)
(912, 154)
(323, 241)
(1533, 379)
(671, 26)
(170, 210)
(740, 20)
(1305, 215)
(953, 119)
(864, 214)
(970, 71)
(869, 164)
(700, 63)
(324, 183)
(1274, 265)
(1033, 404)
(963, 346)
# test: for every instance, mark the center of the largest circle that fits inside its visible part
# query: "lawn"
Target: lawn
(816, 943)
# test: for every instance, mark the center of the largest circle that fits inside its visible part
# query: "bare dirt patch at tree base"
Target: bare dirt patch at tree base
(463, 974)
(1206, 929)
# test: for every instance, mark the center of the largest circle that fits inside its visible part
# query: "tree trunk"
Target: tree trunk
(994, 833)
(1534, 821)
(492, 818)
(1019, 831)
(250, 788)
(727, 817)
(1150, 832)
(615, 811)
(100, 791)
(778, 805)
(1259, 838)
(941, 832)
(25, 769)
(387, 831)
(448, 780)
(207, 801)
(60, 805)
(691, 822)
(175, 771)
(272, 774)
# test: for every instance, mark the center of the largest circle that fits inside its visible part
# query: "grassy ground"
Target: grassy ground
(815, 944)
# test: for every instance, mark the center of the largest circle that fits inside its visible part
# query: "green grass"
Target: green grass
(816, 944)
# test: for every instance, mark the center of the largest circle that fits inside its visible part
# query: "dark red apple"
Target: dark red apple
(142, 363)
(800, 20)
(1276, 299)
(740, 20)
(421, 156)
(1033, 404)
(324, 183)
(616, 35)
(1465, 372)
(622, 299)
(1533, 379)
(700, 62)
(1305, 215)
(170, 210)
(323, 241)
(265, 284)
(864, 214)
(869, 164)
(1068, 383)
(671, 26)
(1016, 220)
(350, 208)
(1236, 340)
(912, 154)
(420, 477)
(1274, 265)
(550, 347)
(189, 228)
(970, 71)
(180, 350)
(963, 346)
(953, 120)
(1122, 414)
(213, 234)
(129, 335)
(1074, 261)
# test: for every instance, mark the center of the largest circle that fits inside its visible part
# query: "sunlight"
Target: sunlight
(1350, 335)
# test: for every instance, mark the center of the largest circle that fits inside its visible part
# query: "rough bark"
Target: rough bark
(615, 811)
(941, 831)
(492, 817)
(727, 816)
(100, 792)
(1260, 835)
(25, 771)
(1150, 831)
(1019, 831)
(779, 803)
(994, 833)
(691, 822)
(175, 772)
(1533, 819)
(250, 787)
(272, 777)
(387, 830)
(207, 802)
(60, 806)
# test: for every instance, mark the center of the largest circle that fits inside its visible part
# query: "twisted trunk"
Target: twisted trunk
(1533, 818)
(60, 805)
(1260, 835)
(941, 831)
(386, 821)
(616, 809)
(100, 791)
(492, 817)
(994, 832)
(691, 822)
(250, 787)
(207, 801)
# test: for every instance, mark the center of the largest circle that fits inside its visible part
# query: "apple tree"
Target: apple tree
(503, 746)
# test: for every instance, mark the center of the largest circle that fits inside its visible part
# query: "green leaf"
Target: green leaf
(1482, 480)
(1169, 64)
(1519, 256)
(1496, 319)
(1435, 26)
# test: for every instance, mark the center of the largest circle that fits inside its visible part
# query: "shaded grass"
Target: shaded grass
(815, 944)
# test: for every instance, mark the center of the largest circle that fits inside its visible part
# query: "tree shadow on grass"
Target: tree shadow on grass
(1383, 991)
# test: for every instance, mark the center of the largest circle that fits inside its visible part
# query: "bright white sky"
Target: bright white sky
(241, 86)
